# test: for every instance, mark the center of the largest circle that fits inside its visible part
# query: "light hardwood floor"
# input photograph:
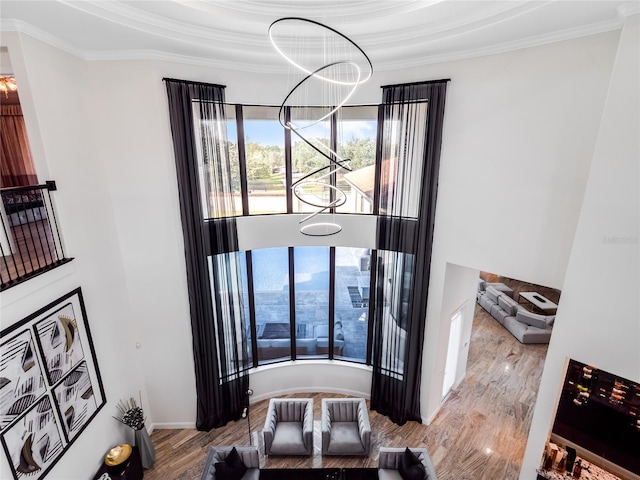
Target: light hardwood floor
(479, 433)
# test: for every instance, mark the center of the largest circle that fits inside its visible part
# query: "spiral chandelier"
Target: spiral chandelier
(332, 67)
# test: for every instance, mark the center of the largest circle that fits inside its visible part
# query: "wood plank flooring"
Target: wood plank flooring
(479, 433)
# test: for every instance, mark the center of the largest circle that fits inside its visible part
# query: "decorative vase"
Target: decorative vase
(145, 447)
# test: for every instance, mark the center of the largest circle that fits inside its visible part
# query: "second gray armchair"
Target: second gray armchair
(288, 428)
(345, 427)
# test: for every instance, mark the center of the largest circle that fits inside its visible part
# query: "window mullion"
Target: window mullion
(242, 160)
(252, 309)
(292, 304)
(373, 274)
(288, 161)
(333, 144)
(332, 294)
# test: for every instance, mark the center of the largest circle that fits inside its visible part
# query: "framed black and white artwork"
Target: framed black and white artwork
(50, 385)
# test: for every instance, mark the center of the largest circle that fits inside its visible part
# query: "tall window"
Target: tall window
(305, 159)
(330, 296)
(264, 153)
(257, 154)
(352, 293)
(220, 194)
(356, 140)
(313, 302)
(311, 273)
(270, 268)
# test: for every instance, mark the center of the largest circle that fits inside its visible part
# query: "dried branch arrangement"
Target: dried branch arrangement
(131, 414)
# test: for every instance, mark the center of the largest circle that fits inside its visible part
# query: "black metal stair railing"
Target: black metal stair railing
(30, 241)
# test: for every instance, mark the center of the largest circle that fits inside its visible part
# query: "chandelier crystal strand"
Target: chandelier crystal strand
(338, 66)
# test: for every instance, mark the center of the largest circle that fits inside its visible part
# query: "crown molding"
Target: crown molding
(12, 25)
(628, 9)
(537, 41)
(123, 15)
(263, 64)
(155, 55)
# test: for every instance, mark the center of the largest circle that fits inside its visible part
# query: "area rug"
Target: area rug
(194, 472)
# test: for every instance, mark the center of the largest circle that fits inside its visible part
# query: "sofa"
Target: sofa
(318, 344)
(322, 339)
(389, 463)
(526, 326)
(249, 456)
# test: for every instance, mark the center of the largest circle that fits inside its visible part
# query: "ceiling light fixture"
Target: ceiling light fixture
(8, 84)
(333, 67)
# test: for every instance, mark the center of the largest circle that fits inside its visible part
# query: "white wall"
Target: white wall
(54, 92)
(459, 290)
(598, 320)
(289, 377)
(519, 135)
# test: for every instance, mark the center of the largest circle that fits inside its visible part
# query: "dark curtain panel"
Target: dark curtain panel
(406, 187)
(198, 127)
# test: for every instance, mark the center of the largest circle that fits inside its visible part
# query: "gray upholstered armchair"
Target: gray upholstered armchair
(390, 458)
(345, 427)
(249, 456)
(288, 428)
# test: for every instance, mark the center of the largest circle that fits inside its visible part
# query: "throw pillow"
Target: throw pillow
(410, 467)
(232, 468)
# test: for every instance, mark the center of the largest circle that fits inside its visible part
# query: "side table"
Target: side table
(132, 471)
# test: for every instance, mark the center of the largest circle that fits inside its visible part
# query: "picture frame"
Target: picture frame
(50, 385)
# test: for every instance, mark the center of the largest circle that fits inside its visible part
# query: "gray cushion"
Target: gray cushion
(486, 302)
(306, 346)
(501, 287)
(494, 311)
(536, 335)
(322, 331)
(345, 438)
(388, 474)
(501, 315)
(515, 327)
(508, 304)
(280, 342)
(551, 319)
(532, 319)
(287, 439)
(493, 294)
(343, 411)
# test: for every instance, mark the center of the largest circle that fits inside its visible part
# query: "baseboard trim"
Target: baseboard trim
(172, 425)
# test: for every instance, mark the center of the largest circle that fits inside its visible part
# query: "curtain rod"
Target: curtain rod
(426, 82)
(193, 83)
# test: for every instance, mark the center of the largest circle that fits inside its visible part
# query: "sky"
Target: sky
(270, 132)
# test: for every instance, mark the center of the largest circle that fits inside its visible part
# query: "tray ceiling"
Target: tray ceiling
(233, 33)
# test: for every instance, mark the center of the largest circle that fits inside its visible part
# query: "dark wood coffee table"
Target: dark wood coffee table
(319, 474)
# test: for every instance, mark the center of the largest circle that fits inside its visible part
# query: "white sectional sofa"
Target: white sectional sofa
(526, 326)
